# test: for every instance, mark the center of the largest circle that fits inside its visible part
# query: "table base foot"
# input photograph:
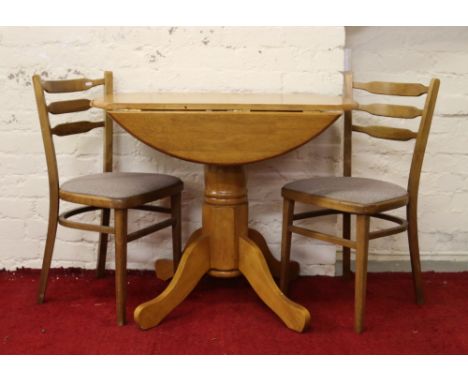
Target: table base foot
(164, 268)
(273, 263)
(194, 264)
(253, 266)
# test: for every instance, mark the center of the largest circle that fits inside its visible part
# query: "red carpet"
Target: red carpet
(226, 317)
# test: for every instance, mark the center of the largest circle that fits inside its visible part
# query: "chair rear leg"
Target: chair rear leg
(176, 229)
(48, 250)
(360, 287)
(346, 251)
(413, 242)
(288, 212)
(121, 264)
(102, 249)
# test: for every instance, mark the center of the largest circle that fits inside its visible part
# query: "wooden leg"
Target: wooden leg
(195, 236)
(176, 229)
(273, 263)
(164, 268)
(102, 249)
(413, 242)
(195, 262)
(121, 264)
(362, 248)
(347, 251)
(49, 248)
(254, 267)
(288, 212)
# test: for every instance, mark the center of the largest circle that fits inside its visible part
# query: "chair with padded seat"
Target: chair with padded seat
(104, 191)
(364, 197)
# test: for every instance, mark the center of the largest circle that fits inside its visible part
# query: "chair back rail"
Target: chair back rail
(348, 125)
(71, 106)
(70, 128)
(393, 111)
(384, 132)
(421, 141)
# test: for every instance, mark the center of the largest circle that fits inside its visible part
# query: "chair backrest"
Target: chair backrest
(393, 111)
(70, 106)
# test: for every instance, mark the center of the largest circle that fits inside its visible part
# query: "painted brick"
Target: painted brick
(416, 54)
(223, 59)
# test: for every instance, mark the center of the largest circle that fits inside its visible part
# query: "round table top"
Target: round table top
(224, 129)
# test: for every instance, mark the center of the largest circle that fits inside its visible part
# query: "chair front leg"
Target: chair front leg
(176, 229)
(346, 250)
(102, 249)
(362, 249)
(121, 264)
(288, 212)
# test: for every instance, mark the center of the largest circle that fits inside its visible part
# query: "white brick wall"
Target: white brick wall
(417, 54)
(151, 59)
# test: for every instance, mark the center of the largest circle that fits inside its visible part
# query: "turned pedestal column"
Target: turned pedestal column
(224, 247)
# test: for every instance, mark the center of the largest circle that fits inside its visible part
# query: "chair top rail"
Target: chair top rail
(70, 86)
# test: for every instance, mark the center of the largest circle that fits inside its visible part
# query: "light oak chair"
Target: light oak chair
(104, 191)
(363, 197)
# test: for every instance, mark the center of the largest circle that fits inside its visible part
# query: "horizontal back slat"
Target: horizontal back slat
(71, 106)
(69, 86)
(71, 128)
(392, 111)
(392, 88)
(384, 132)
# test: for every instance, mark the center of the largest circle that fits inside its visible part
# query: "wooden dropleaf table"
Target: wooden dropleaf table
(224, 132)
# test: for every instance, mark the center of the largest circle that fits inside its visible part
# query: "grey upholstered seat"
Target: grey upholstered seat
(353, 190)
(119, 185)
